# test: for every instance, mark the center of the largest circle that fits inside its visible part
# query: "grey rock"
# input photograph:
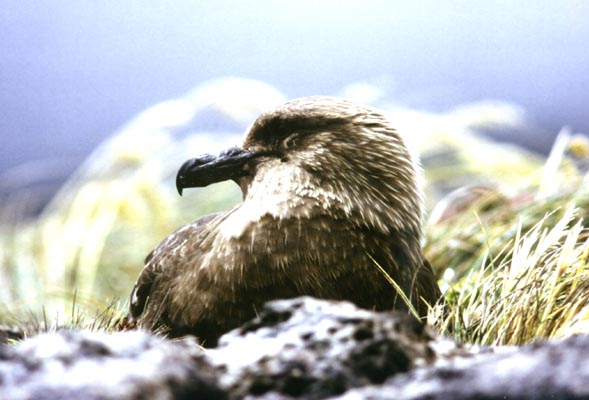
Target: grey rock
(300, 348)
(97, 365)
(313, 349)
(549, 370)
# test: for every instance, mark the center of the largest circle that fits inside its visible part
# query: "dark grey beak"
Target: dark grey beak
(202, 171)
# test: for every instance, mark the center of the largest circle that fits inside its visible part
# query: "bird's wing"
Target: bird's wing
(155, 266)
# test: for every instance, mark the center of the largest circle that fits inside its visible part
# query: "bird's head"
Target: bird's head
(321, 154)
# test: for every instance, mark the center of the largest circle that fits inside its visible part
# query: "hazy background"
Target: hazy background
(71, 73)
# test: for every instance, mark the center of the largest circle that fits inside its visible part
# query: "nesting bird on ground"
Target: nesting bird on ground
(331, 201)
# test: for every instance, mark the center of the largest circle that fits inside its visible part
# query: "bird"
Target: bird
(332, 208)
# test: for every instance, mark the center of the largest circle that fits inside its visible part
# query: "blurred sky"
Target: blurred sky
(72, 72)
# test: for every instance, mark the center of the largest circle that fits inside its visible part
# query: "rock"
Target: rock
(313, 349)
(301, 348)
(97, 365)
(548, 370)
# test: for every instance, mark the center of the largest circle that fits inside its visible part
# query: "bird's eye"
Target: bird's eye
(291, 141)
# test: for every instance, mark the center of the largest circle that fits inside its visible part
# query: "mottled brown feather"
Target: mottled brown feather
(342, 194)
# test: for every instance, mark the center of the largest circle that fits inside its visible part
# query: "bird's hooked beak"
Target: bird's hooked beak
(208, 169)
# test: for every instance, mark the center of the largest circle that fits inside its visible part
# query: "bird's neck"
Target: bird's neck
(286, 193)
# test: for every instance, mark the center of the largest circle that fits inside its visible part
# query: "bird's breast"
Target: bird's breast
(249, 214)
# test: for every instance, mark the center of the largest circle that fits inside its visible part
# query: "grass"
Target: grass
(511, 253)
(535, 286)
(515, 268)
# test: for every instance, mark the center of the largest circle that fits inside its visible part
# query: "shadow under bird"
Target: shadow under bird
(331, 201)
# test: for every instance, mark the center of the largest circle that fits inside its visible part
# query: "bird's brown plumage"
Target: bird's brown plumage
(329, 191)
